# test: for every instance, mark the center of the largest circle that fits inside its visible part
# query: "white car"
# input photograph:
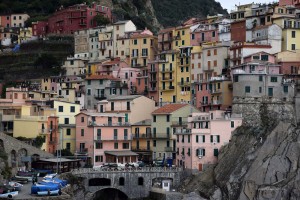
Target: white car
(9, 195)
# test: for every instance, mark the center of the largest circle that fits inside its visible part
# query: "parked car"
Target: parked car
(9, 195)
(141, 163)
(51, 176)
(113, 166)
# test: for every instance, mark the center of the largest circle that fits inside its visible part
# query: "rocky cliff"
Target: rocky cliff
(257, 164)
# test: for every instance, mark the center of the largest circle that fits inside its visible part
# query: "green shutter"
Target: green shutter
(203, 138)
(126, 117)
(203, 152)
(197, 138)
(197, 152)
(211, 139)
(218, 139)
(216, 152)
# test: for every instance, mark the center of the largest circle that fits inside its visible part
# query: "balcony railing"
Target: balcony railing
(117, 124)
(179, 123)
(167, 88)
(100, 96)
(143, 135)
(111, 138)
(166, 70)
(184, 83)
(183, 131)
(168, 149)
(82, 150)
(161, 136)
(152, 89)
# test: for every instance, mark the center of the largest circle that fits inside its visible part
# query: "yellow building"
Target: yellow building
(141, 143)
(182, 37)
(92, 67)
(66, 112)
(142, 47)
(30, 126)
(290, 32)
(25, 35)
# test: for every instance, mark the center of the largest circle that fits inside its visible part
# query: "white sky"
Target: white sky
(229, 4)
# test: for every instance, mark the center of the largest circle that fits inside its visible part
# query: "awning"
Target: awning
(121, 153)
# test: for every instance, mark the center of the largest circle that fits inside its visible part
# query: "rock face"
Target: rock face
(256, 164)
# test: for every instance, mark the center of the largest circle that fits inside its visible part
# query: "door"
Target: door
(270, 92)
(200, 167)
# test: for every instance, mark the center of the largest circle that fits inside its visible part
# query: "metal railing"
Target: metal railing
(133, 169)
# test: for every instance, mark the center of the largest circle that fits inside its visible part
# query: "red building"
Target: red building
(289, 2)
(238, 31)
(68, 20)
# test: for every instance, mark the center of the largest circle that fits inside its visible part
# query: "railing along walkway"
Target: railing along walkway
(133, 169)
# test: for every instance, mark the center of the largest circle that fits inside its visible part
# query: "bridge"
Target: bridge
(132, 183)
(19, 154)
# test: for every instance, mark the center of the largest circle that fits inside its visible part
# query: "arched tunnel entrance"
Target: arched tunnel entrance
(110, 194)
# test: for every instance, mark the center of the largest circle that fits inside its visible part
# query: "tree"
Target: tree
(101, 20)
(65, 152)
(46, 61)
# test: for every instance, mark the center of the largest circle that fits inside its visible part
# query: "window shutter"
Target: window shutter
(203, 150)
(197, 152)
(218, 138)
(203, 138)
(197, 138)
(211, 138)
(216, 152)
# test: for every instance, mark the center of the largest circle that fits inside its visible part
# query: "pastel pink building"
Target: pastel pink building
(199, 144)
(104, 138)
(204, 33)
(289, 2)
(5, 21)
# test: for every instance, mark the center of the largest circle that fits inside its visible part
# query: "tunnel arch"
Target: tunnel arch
(110, 194)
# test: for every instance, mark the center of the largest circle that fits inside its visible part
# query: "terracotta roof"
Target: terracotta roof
(169, 108)
(99, 77)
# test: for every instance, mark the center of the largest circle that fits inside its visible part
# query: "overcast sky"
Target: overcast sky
(229, 4)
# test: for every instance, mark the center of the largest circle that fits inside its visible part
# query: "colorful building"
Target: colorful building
(142, 140)
(104, 138)
(166, 121)
(198, 144)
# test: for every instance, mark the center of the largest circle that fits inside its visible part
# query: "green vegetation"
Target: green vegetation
(39, 140)
(101, 20)
(171, 13)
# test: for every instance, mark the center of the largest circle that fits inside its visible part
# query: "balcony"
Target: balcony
(102, 47)
(201, 118)
(215, 91)
(152, 89)
(136, 65)
(208, 69)
(166, 79)
(177, 37)
(178, 123)
(82, 23)
(144, 55)
(82, 151)
(166, 70)
(216, 102)
(134, 55)
(183, 131)
(161, 136)
(152, 71)
(184, 83)
(167, 88)
(169, 149)
(99, 139)
(117, 124)
(143, 135)
(44, 131)
(100, 96)
(204, 103)
(153, 80)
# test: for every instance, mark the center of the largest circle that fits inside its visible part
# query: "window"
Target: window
(68, 131)
(270, 92)
(285, 89)
(99, 145)
(144, 41)
(216, 152)
(182, 42)
(121, 181)
(112, 106)
(189, 138)
(128, 103)
(60, 109)
(98, 158)
(236, 78)
(82, 132)
(72, 109)
(182, 32)
(126, 145)
(89, 82)
(200, 152)
(215, 139)
(115, 134)
(116, 145)
(68, 146)
(273, 79)
(135, 42)
(232, 124)
(88, 91)
(213, 34)
(82, 119)
(99, 134)
(154, 118)
(247, 89)
(141, 181)
(293, 46)
(66, 120)
(154, 143)
(193, 36)
(260, 89)
(260, 78)
(265, 57)
(293, 34)
(168, 118)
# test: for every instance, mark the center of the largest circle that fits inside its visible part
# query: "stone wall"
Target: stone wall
(259, 111)
(20, 149)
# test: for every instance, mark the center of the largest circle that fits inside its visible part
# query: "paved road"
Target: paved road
(25, 193)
